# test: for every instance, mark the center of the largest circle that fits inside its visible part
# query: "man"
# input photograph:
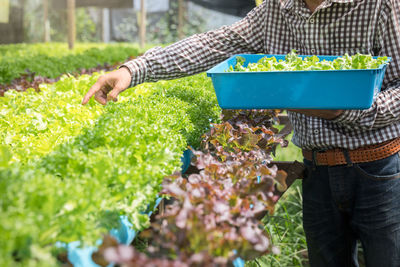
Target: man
(352, 190)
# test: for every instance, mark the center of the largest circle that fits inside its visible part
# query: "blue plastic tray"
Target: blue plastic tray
(319, 89)
(81, 256)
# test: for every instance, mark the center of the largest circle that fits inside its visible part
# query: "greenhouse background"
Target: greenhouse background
(113, 21)
(147, 133)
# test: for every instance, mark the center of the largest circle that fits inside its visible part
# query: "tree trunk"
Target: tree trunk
(71, 23)
(46, 22)
(105, 25)
(142, 29)
(181, 19)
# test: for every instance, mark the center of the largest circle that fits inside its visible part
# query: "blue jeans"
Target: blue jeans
(343, 204)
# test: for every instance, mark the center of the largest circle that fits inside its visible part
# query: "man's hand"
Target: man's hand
(109, 86)
(328, 114)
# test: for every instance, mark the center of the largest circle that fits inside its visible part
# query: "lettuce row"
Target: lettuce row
(33, 124)
(108, 161)
(52, 60)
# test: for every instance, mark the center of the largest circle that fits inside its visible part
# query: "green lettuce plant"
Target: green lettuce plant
(67, 172)
(293, 62)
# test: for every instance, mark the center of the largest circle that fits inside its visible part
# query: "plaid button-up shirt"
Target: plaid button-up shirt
(336, 27)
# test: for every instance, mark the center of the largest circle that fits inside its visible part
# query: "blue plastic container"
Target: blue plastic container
(82, 256)
(186, 159)
(319, 89)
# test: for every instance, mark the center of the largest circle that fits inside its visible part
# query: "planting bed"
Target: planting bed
(67, 172)
(52, 60)
(28, 65)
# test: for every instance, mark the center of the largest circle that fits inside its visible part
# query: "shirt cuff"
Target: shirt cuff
(348, 116)
(138, 69)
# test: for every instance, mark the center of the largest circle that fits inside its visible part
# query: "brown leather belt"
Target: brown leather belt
(336, 156)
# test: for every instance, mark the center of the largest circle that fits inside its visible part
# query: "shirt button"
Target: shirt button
(316, 131)
(313, 51)
(311, 21)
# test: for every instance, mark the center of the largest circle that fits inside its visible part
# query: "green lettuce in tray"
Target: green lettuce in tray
(293, 62)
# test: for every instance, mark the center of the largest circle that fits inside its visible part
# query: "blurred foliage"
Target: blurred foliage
(51, 60)
(129, 29)
(87, 29)
(166, 30)
(161, 27)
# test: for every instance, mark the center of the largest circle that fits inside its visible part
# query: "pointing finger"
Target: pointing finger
(95, 88)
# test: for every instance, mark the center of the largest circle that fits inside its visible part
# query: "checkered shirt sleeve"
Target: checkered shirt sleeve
(200, 52)
(386, 108)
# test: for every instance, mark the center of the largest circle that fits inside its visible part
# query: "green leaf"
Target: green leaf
(5, 156)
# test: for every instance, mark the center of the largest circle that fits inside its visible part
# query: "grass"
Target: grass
(286, 230)
(285, 226)
(289, 153)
